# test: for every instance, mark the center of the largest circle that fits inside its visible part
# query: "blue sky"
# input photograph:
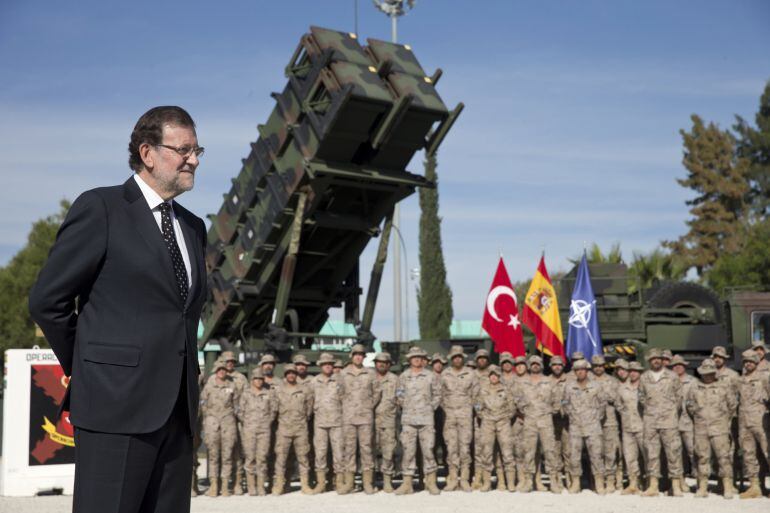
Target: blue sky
(570, 131)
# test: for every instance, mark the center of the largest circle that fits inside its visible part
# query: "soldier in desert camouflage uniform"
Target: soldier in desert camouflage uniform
(480, 363)
(218, 401)
(752, 417)
(520, 372)
(438, 364)
(267, 366)
(256, 412)
(610, 426)
(660, 393)
(537, 399)
(294, 404)
(301, 363)
(338, 366)
(627, 404)
(459, 390)
(761, 349)
(418, 394)
(725, 374)
(385, 418)
(712, 407)
(328, 394)
(560, 419)
(495, 407)
(685, 426)
(241, 383)
(585, 404)
(361, 396)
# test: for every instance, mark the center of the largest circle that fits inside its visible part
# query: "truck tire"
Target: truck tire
(688, 295)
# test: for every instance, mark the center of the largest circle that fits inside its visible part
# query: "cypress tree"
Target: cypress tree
(434, 299)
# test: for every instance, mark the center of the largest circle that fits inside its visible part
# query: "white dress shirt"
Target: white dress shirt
(154, 201)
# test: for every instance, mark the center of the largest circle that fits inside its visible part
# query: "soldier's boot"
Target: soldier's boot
(238, 483)
(194, 486)
(609, 484)
(556, 486)
(486, 481)
(702, 491)
(727, 485)
(320, 477)
(476, 484)
(539, 486)
(431, 485)
(599, 481)
(753, 491)
(465, 474)
(225, 488)
(652, 488)
(574, 484)
(340, 484)
(525, 485)
(278, 483)
(350, 482)
(304, 483)
(251, 484)
(451, 479)
(676, 487)
(367, 476)
(261, 485)
(387, 483)
(213, 488)
(406, 487)
(510, 480)
(633, 485)
(500, 473)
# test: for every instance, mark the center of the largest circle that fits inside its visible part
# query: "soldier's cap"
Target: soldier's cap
(267, 358)
(357, 348)
(481, 353)
(635, 366)
(678, 360)
(493, 369)
(416, 352)
(534, 359)
(707, 366)
(578, 355)
(456, 351)
(471, 364)
(581, 364)
(220, 364)
(338, 364)
(719, 351)
(653, 352)
(228, 356)
(506, 357)
(325, 358)
(256, 373)
(519, 360)
(750, 355)
(667, 354)
(438, 357)
(556, 360)
(598, 360)
(621, 363)
(300, 359)
(383, 357)
(758, 344)
(289, 367)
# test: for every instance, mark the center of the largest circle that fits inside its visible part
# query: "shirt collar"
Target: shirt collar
(153, 198)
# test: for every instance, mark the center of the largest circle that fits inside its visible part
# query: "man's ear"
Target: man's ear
(147, 156)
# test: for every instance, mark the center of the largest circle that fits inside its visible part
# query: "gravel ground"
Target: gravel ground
(445, 503)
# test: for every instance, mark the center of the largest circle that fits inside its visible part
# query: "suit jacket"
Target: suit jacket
(108, 304)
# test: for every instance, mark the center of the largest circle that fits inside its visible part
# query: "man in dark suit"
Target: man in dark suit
(119, 300)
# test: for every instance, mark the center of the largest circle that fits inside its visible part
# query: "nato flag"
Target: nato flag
(583, 334)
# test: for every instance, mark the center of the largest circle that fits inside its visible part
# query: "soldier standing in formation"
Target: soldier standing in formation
(627, 404)
(328, 395)
(754, 388)
(459, 392)
(219, 426)
(685, 427)
(385, 418)
(481, 366)
(438, 364)
(495, 407)
(256, 413)
(712, 406)
(418, 394)
(294, 404)
(560, 420)
(267, 365)
(610, 426)
(761, 349)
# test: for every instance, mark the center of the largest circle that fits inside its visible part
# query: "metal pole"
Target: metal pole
(398, 334)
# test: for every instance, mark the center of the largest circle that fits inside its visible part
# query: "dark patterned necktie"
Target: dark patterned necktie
(169, 237)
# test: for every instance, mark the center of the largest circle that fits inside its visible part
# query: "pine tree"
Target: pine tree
(434, 298)
(753, 144)
(17, 330)
(719, 179)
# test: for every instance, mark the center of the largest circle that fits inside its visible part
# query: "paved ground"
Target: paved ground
(459, 502)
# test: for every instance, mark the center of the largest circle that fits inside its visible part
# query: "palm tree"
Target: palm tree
(656, 265)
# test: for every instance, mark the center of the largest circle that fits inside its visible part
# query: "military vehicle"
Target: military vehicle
(319, 183)
(685, 317)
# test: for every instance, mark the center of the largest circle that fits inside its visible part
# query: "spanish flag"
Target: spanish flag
(541, 313)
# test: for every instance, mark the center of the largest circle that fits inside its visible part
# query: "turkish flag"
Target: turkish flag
(501, 315)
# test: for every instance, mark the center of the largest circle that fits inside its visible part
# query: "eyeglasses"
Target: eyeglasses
(185, 151)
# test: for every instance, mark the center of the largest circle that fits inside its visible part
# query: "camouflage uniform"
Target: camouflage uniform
(361, 396)
(256, 412)
(294, 404)
(328, 396)
(560, 419)
(241, 383)
(685, 426)
(418, 396)
(661, 399)
(610, 426)
(459, 390)
(726, 375)
(218, 401)
(627, 404)
(752, 416)
(495, 407)
(517, 428)
(585, 406)
(385, 419)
